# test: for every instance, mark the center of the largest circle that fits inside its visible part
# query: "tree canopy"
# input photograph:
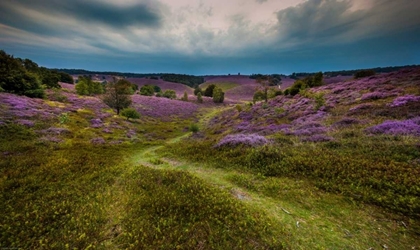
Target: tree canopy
(118, 94)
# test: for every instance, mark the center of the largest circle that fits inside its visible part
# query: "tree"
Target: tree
(185, 97)
(85, 86)
(147, 90)
(64, 77)
(218, 95)
(16, 79)
(169, 93)
(209, 90)
(130, 113)
(197, 90)
(264, 82)
(199, 98)
(117, 95)
(157, 89)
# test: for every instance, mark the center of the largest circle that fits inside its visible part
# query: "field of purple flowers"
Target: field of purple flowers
(357, 137)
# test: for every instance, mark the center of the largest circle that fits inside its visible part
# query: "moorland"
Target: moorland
(320, 163)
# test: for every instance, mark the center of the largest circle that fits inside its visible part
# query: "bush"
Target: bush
(198, 90)
(364, 73)
(258, 96)
(157, 89)
(169, 93)
(130, 113)
(218, 95)
(147, 90)
(199, 98)
(85, 86)
(185, 97)
(209, 90)
(194, 128)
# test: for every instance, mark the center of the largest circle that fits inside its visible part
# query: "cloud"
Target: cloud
(33, 15)
(330, 21)
(261, 1)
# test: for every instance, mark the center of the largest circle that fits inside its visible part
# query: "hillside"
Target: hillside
(334, 167)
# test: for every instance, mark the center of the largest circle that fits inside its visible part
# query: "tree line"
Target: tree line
(25, 77)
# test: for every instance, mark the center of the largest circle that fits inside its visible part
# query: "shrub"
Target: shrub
(147, 90)
(171, 94)
(130, 113)
(199, 98)
(319, 100)
(85, 86)
(63, 118)
(198, 90)
(209, 90)
(239, 108)
(194, 128)
(157, 89)
(218, 95)
(185, 97)
(258, 96)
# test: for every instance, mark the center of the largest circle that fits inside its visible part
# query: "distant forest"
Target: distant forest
(192, 81)
(189, 80)
(353, 71)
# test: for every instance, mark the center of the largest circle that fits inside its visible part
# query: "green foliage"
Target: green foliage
(63, 118)
(319, 100)
(188, 80)
(65, 77)
(16, 79)
(147, 90)
(307, 82)
(169, 93)
(258, 96)
(130, 113)
(274, 92)
(218, 95)
(209, 90)
(297, 86)
(364, 73)
(199, 98)
(156, 89)
(197, 90)
(239, 108)
(185, 97)
(194, 128)
(117, 95)
(85, 86)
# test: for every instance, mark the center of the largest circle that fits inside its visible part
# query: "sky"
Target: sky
(209, 37)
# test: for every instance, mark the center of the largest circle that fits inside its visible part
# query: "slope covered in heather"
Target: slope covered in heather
(334, 167)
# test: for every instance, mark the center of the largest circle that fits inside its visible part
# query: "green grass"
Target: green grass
(225, 86)
(167, 188)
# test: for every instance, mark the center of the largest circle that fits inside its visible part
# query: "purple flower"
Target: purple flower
(96, 123)
(402, 100)
(26, 123)
(98, 140)
(243, 139)
(131, 133)
(405, 127)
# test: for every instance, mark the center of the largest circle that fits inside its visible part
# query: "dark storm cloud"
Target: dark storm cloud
(337, 21)
(15, 14)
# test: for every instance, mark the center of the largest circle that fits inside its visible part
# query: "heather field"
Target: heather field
(334, 167)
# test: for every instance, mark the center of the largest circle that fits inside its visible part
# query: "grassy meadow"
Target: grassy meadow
(334, 167)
